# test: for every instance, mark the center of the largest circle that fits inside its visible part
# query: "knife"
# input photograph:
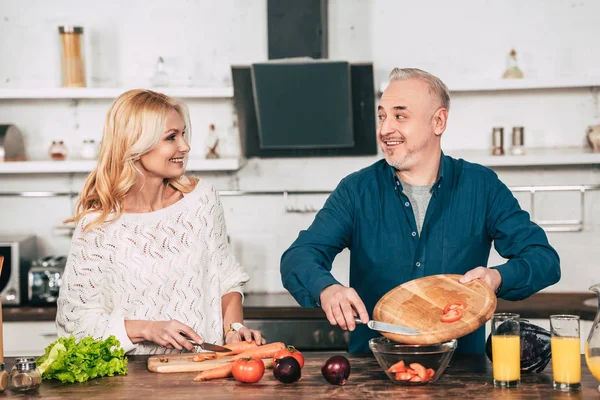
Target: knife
(207, 346)
(391, 328)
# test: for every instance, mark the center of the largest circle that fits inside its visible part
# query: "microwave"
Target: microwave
(19, 252)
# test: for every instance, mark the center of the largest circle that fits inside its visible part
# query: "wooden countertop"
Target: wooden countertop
(466, 377)
(283, 306)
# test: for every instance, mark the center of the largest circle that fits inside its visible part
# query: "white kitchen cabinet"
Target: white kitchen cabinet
(28, 338)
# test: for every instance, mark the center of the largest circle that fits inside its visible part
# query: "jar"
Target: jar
(24, 376)
(518, 141)
(58, 150)
(498, 141)
(72, 57)
(3, 378)
(89, 149)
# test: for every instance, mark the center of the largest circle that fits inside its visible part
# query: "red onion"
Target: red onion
(336, 370)
(287, 370)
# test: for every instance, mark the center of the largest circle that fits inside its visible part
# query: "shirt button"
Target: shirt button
(418, 264)
(407, 204)
(397, 183)
(414, 234)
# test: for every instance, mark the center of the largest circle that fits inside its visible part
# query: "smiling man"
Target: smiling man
(416, 213)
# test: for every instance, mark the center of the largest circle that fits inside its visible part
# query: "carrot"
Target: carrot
(237, 348)
(264, 351)
(204, 356)
(222, 371)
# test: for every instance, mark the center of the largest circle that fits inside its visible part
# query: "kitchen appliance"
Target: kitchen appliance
(19, 252)
(12, 145)
(45, 279)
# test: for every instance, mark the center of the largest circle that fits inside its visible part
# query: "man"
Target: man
(416, 213)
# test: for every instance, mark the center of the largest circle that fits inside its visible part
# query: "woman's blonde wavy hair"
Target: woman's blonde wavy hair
(134, 124)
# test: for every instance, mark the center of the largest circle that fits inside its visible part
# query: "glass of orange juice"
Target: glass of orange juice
(566, 352)
(506, 350)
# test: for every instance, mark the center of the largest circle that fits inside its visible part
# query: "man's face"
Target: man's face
(406, 130)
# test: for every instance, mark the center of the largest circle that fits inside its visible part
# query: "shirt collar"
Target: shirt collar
(440, 175)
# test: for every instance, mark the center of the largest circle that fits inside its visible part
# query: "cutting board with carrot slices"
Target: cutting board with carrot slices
(438, 306)
(197, 362)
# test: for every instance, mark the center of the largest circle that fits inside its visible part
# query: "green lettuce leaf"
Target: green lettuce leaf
(70, 361)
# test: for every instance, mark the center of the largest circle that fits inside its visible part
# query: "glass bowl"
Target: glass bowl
(409, 364)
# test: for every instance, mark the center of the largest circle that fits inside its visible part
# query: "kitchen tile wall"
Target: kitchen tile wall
(200, 39)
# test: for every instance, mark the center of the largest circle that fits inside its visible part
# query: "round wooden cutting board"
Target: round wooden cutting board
(419, 304)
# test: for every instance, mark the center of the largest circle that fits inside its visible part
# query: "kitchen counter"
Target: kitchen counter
(283, 306)
(465, 377)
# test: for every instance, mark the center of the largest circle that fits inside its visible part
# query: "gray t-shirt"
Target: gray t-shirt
(419, 197)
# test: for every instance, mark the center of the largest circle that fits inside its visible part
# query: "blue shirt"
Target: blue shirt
(368, 213)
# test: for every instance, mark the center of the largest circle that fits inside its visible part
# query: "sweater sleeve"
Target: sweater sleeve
(232, 276)
(83, 305)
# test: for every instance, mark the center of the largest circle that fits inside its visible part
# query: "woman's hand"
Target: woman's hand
(245, 334)
(169, 334)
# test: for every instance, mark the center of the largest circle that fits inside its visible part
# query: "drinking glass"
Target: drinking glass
(566, 352)
(506, 350)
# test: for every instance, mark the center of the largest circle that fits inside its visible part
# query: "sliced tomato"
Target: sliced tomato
(398, 367)
(416, 378)
(403, 376)
(456, 305)
(431, 372)
(410, 371)
(452, 316)
(420, 370)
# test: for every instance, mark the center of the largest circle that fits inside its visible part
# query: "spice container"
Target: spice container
(3, 378)
(24, 376)
(57, 150)
(72, 57)
(89, 149)
(497, 141)
(518, 141)
(211, 143)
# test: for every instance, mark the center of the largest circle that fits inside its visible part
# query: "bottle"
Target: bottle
(498, 141)
(3, 378)
(512, 67)
(211, 143)
(88, 150)
(160, 77)
(72, 57)
(57, 150)
(518, 139)
(24, 376)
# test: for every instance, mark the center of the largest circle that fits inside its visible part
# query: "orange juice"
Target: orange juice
(593, 363)
(506, 355)
(566, 359)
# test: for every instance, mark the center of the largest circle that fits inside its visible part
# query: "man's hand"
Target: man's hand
(490, 276)
(341, 304)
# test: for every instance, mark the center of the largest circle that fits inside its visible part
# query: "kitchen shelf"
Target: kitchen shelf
(111, 93)
(493, 85)
(533, 157)
(83, 166)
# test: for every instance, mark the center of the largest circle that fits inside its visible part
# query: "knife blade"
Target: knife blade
(207, 346)
(391, 328)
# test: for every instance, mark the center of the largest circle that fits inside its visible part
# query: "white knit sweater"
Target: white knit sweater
(173, 263)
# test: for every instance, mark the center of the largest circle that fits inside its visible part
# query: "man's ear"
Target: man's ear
(439, 121)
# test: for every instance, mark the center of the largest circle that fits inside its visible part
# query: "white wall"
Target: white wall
(459, 41)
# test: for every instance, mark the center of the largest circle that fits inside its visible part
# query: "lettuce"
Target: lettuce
(70, 361)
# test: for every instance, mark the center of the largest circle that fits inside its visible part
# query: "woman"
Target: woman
(149, 260)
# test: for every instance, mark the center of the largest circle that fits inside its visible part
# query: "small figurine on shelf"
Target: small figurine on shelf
(593, 136)
(57, 150)
(211, 143)
(512, 67)
(160, 77)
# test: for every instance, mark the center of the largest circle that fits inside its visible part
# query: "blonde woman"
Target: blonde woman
(149, 260)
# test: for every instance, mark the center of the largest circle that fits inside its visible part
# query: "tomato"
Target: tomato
(431, 372)
(420, 370)
(248, 370)
(290, 351)
(415, 378)
(457, 305)
(403, 376)
(452, 316)
(398, 367)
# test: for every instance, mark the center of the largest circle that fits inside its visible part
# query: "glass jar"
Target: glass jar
(24, 376)
(58, 150)
(89, 149)
(72, 57)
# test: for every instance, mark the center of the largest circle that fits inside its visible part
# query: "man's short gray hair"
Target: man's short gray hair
(437, 87)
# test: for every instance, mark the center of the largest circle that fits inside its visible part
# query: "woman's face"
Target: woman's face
(165, 160)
